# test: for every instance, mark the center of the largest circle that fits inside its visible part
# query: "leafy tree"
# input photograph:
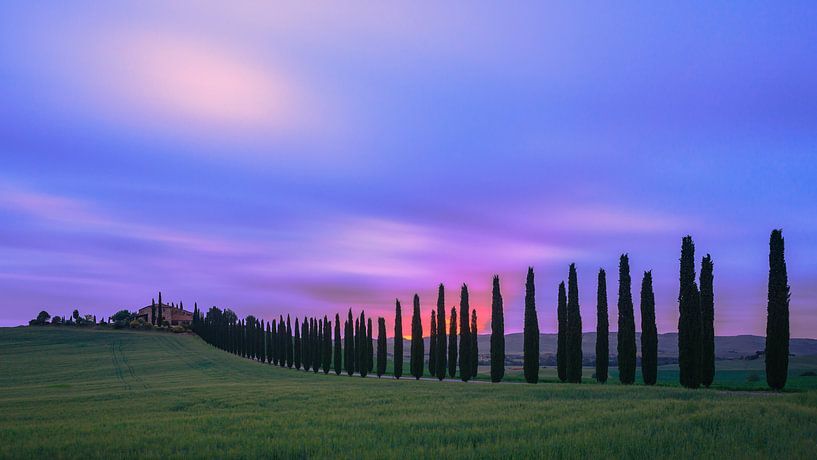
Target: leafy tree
(777, 319)
(474, 348)
(497, 333)
(42, 318)
(465, 336)
(452, 343)
(398, 340)
(602, 329)
(416, 340)
(531, 332)
(707, 322)
(338, 356)
(442, 346)
(626, 324)
(432, 345)
(574, 328)
(649, 332)
(381, 346)
(689, 321)
(561, 340)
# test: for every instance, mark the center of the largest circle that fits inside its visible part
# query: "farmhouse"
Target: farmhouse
(174, 315)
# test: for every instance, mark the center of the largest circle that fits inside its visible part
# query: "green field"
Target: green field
(102, 393)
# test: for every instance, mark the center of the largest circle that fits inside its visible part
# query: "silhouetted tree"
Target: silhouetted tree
(432, 345)
(442, 346)
(626, 324)
(160, 317)
(358, 348)
(649, 332)
(338, 359)
(689, 321)
(574, 328)
(531, 332)
(152, 312)
(289, 343)
(398, 340)
(707, 322)
(299, 350)
(269, 342)
(452, 343)
(497, 333)
(349, 345)
(381, 347)
(777, 319)
(369, 346)
(416, 340)
(326, 365)
(602, 329)
(474, 348)
(561, 334)
(465, 337)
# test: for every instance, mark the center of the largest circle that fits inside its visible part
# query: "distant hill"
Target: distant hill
(726, 347)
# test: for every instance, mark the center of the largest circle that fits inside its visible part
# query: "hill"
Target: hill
(75, 393)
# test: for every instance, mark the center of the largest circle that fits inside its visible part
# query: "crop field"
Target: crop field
(69, 393)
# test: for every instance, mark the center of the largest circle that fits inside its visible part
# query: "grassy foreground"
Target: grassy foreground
(93, 393)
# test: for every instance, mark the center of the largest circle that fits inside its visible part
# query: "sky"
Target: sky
(311, 158)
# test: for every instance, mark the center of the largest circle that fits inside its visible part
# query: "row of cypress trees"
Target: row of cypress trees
(315, 347)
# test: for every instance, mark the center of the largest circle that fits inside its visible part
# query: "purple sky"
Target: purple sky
(308, 159)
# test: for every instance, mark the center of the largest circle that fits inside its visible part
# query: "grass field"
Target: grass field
(100, 393)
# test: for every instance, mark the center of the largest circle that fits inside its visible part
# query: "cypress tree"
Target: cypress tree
(282, 336)
(465, 336)
(317, 344)
(357, 348)
(689, 321)
(452, 344)
(274, 337)
(497, 333)
(269, 342)
(561, 340)
(442, 357)
(574, 328)
(602, 329)
(531, 332)
(298, 346)
(160, 320)
(338, 359)
(349, 348)
(473, 369)
(707, 322)
(381, 347)
(363, 355)
(153, 312)
(626, 324)
(289, 343)
(416, 340)
(649, 332)
(398, 340)
(327, 345)
(432, 345)
(370, 354)
(777, 315)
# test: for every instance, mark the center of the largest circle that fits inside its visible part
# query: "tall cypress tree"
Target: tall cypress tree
(626, 324)
(531, 332)
(497, 333)
(707, 322)
(349, 347)
(452, 343)
(398, 340)
(269, 342)
(153, 312)
(574, 328)
(442, 346)
(338, 357)
(777, 311)
(298, 345)
(649, 332)
(381, 346)
(327, 345)
(602, 329)
(465, 336)
(363, 356)
(416, 340)
(369, 346)
(160, 319)
(317, 339)
(689, 321)
(289, 343)
(561, 339)
(474, 348)
(357, 348)
(432, 345)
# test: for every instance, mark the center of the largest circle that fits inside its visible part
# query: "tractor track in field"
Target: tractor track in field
(130, 368)
(118, 368)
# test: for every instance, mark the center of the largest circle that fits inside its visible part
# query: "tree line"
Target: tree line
(317, 344)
